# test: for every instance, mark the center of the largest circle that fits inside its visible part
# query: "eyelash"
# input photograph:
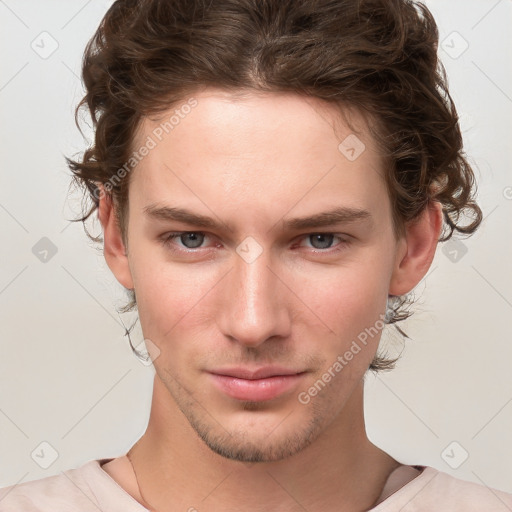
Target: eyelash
(169, 237)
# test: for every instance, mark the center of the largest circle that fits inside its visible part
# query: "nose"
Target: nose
(254, 306)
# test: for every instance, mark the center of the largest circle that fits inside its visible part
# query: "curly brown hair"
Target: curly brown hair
(377, 56)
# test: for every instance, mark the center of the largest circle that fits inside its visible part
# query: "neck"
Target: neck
(175, 470)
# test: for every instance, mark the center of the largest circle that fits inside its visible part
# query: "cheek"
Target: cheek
(350, 301)
(349, 298)
(170, 296)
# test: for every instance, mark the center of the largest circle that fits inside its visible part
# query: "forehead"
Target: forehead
(216, 113)
(258, 153)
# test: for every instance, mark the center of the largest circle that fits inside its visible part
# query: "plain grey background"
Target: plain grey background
(68, 378)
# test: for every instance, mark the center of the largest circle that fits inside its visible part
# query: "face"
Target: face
(255, 242)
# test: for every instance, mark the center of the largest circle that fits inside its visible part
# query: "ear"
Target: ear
(417, 249)
(113, 246)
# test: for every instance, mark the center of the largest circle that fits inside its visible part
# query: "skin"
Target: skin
(251, 162)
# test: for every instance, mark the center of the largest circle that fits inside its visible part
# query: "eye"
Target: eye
(189, 239)
(323, 241)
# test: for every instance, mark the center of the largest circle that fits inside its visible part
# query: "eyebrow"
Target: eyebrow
(340, 215)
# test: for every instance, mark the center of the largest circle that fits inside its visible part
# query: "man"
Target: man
(272, 178)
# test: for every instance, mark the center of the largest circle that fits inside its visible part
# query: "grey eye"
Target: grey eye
(324, 240)
(194, 239)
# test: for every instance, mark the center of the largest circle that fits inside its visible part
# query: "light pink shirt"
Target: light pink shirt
(91, 489)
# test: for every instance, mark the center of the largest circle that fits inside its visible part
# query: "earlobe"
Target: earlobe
(417, 249)
(113, 246)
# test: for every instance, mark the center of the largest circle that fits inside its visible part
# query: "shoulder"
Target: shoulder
(437, 491)
(86, 488)
(40, 495)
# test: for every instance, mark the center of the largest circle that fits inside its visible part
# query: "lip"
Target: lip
(255, 373)
(256, 385)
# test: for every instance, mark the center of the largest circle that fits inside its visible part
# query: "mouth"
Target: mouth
(256, 385)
